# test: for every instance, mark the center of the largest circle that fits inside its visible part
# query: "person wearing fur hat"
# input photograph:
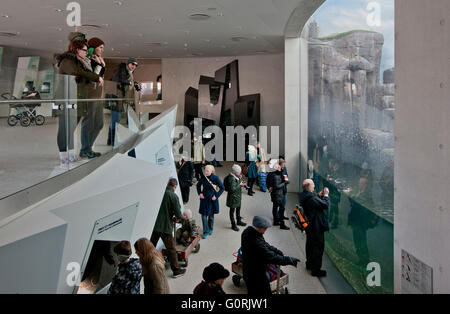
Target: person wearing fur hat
(75, 62)
(126, 85)
(92, 124)
(214, 276)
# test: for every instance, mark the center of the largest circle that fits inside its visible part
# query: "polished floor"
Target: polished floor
(224, 242)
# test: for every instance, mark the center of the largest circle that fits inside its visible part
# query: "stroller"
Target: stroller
(25, 113)
(278, 279)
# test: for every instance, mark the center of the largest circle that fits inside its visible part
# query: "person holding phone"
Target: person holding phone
(316, 210)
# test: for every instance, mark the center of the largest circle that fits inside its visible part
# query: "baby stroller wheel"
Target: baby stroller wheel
(12, 120)
(236, 280)
(25, 121)
(196, 248)
(40, 120)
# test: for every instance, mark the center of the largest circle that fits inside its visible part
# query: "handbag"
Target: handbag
(245, 170)
(215, 187)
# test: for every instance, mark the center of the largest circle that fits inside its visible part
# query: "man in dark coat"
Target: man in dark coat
(276, 185)
(257, 255)
(126, 85)
(170, 209)
(185, 176)
(316, 207)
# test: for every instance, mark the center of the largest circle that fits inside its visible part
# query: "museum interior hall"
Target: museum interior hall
(103, 103)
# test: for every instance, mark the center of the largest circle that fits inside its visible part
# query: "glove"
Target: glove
(293, 261)
(279, 252)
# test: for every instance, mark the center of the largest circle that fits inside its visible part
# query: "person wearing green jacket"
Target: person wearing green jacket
(234, 185)
(168, 211)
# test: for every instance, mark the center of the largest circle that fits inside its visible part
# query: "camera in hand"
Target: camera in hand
(246, 185)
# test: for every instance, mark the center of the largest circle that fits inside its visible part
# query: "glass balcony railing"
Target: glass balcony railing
(48, 129)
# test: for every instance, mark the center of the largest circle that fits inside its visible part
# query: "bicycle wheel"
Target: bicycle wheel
(40, 120)
(25, 121)
(12, 120)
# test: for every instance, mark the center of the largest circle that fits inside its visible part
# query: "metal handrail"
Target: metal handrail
(39, 101)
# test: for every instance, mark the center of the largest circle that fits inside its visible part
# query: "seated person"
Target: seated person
(185, 234)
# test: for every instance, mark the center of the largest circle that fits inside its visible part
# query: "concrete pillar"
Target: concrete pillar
(296, 110)
(422, 135)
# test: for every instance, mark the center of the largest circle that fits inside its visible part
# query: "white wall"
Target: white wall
(263, 74)
(422, 156)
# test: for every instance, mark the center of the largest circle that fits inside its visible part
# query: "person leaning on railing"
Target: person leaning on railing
(75, 62)
(126, 85)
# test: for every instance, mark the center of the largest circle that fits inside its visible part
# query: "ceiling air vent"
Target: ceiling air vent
(91, 26)
(238, 38)
(153, 44)
(199, 16)
(8, 34)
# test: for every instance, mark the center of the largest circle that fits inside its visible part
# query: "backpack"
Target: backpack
(300, 219)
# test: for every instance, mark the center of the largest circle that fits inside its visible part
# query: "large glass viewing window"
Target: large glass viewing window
(351, 140)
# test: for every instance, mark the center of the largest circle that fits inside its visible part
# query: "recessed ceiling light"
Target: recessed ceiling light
(185, 44)
(239, 38)
(118, 3)
(199, 16)
(219, 14)
(159, 20)
(58, 10)
(6, 16)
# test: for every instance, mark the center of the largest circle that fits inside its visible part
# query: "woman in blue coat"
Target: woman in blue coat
(209, 188)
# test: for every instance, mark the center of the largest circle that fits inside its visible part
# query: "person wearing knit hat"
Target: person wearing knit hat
(257, 255)
(214, 276)
(233, 185)
(132, 60)
(261, 222)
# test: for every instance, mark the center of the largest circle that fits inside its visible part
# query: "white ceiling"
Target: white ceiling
(131, 28)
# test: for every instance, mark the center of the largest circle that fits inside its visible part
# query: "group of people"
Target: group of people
(84, 60)
(257, 254)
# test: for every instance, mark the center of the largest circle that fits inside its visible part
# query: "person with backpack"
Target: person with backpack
(233, 185)
(316, 210)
